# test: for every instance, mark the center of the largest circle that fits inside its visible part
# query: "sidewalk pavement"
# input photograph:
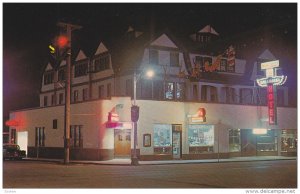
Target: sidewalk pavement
(127, 162)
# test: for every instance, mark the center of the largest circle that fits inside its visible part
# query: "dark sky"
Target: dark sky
(28, 28)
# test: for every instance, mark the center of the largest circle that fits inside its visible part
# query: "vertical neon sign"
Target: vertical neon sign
(271, 81)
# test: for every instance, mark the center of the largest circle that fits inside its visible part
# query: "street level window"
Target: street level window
(162, 141)
(76, 138)
(234, 140)
(267, 142)
(289, 140)
(201, 138)
(48, 77)
(40, 136)
(13, 136)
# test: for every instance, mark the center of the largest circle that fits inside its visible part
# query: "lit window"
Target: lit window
(234, 140)
(162, 141)
(201, 138)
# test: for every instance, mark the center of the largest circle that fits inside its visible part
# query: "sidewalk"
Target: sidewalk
(127, 162)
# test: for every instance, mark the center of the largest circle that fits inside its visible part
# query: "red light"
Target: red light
(12, 123)
(62, 41)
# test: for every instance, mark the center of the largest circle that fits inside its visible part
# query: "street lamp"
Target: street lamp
(135, 113)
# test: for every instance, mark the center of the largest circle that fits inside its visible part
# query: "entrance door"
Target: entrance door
(176, 139)
(22, 140)
(122, 142)
(248, 140)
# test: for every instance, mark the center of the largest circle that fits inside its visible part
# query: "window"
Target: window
(61, 98)
(45, 100)
(153, 57)
(101, 63)
(199, 62)
(262, 96)
(146, 89)
(129, 88)
(174, 59)
(81, 69)
(213, 94)
(158, 90)
(223, 65)
(267, 142)
(40, 136)
(62, 74)
(85, 94)
(234, 140)
(201, 138)
(280, 97)
(207, 60)
(101, 91)
(180, 91)
(48, 78)
(230, 95)
(76, 136)
(54, 124)
(162, 141)
(204, 93)
(108, 90)
(75, 96)
(169, 90)
(289, 140)
(195, 92)
(53, 99)
(246, 96)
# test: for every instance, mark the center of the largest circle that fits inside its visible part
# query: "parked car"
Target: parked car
(13, 151)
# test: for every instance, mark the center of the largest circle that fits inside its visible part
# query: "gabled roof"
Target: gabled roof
(208, 29)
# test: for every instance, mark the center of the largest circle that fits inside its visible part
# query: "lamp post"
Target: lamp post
(135, 114)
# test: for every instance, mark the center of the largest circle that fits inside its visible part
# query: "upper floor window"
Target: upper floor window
(223, 65)
(81, 69)
(61, 98)
(101, 63)
(153, 57)
(85, 94)
(174, 59)
(48, 77)
(108, 94)
(45, 100)
(75, 96)
(129, 88)
(101, 91)
(62, 74)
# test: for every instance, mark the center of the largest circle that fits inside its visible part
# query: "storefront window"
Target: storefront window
(289, 140)
(267, 142)
(234, 140)
(201, 138)
(162, 139)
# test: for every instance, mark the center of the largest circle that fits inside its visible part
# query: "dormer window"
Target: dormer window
(81, 69)
(101, 63)
(48, 77)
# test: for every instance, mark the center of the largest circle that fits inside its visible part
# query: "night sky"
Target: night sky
(28, 29)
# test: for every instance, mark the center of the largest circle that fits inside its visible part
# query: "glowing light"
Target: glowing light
(12, 123)
(150, 73)
(52, 49)
(270, 64)
(62, 41)
(259, 131)
(275, 80)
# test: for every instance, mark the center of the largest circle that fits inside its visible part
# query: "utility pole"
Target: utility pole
(68, 27)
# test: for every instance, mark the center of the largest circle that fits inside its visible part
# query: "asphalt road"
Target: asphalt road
(258, 174)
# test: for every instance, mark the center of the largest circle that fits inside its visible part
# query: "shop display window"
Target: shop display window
(201, 138)
(234, 140)
(289, 140)
(267, 142)
(162, 141)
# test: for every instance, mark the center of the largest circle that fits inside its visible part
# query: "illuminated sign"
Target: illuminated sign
(12, 123)
(271, 105)
(258, 131)
(271, 81)
(270, 64)
(275, 80)
(199, 116)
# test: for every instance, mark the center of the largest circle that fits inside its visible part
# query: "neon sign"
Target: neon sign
(271, 81)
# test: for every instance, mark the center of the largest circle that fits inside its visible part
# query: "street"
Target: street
(258, 174)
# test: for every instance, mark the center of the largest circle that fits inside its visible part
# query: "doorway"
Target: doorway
(248, 142)
(176, 142)
(22, 140)
(122, 142)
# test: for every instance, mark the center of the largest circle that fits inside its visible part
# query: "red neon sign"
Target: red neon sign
(271, 105)
(12, 123)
